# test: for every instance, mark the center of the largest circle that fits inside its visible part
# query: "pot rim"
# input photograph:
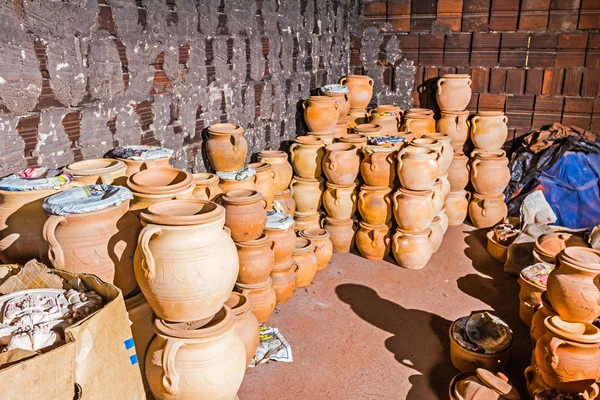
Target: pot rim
(260, 166)
(319, 98)
(450, 112)
(406, 232)
(95, 214)
(370, 188)
(339, 222)
(113, 166)
(439, 137)
(256, 286)
(306, 246)
(315, 234)
(307, 214)
(309, 141)
(340, 186)
(277, 154)
(490, 113)
(357, 76)
(318, 134)
(389, 107)
(172, 212)
(140, 187)
(238, 303)
(350, 139)
(386, 227)
(241, 196)
(416, 193)
(205, 178)
(320, 179)
(262, 240)
(225, 129)
(222, 322)
(556, 325)
(418, 151)
(283, 192)
(426, 142)
(367, 128)
(420, 111)
(345, 147)
(488, 196)
(493, 355)
(456, 76)
(282, 267)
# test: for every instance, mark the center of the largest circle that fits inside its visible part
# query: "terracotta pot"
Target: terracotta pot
(341, 234)
(156, 185)
(378, 168)
(326, 137)
(419, 124)
(482, 385)
(453, 92)
(226, 147)
(343, 100)
(207, 186)
(284, 281)
(284, 243)
(548, 246)
(99, 242)
(134, 166)
(341, 163)
(321, 113)
(142, 327)
(429, 144)
(323, 245)
(489, 130)
(286, 200)
(305, 258)
(256, 260)
(262, 298)
(418, 167)
(457, 205)
(447, 150)
(573, 286)
(203, 363)
(185, 263)
(386, 116)
(307, 221)
(412, 250)
(375, 204)
(361, 90)
(530, 294)
(438, 196)
(487, 211)
(340, 200)
(246, 214)
(229, 185)
(489, 173)
(265, 181)
(357, 116)
(246, 324)
(367, 130)
(445, 184)
(99, 171)
(545, 310)
(413, 210)
(458, 173)
(282, 168)
(340, 130)
(306, 154)
(456, 125)
(307, 193)
(373, 241)
(443, 219)
(437, 233)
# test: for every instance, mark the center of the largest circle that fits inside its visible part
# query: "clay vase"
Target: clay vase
(341, 234)
(256, 260)
(438, 196)
(99, 242)
(134, 166)
(458, 173)
(340, 200)
(413, 210)
(339, 131)
(202, 363)
(453, 92)
(482, 385)
(207, 186)
(443, 219)
(307, 193)
(307, 221)
(489, 173)
(265, 181)
(229, 185)
(375, 204)
(341, 163)
(321, 113)
(530, 299)
(547, 246)
(361, 90)
(284, 281)
(386, 116)
(432, 145)
(306, 154)
(437, 233)
(367, 130)
(156, 185)
(457, 205)
(246, 324)
(447, 150)
(305, 258)
(284, 243)
(286, 200)
(326, 137)
(323, 245)
(574, 286)
(343, 99)
(412, 250)
(358, 140)
(142, 326)
(282, 168)
(373, 241)
(99, 171)
(262, 298)
(226, 147)
(538, 329)
(456, 125)
(489, 130)
(445, 184)
(418, 123)
(378, 168)
(418, 167)
(185, 262)
(246, 214)
(487, 211)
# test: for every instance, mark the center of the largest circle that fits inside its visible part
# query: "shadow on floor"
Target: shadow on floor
(420, 338)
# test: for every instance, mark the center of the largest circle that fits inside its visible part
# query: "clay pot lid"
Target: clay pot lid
(260, 241)
(499, 383)
(225, 129)
(318, 234)
(95, 166)
(550, 244)
(183, 212)
(238, 303)
(582, 256)
(309, 140)
(351, 138)
(272, 154)
(337, 185)
(242, 196)
(207, 328)
(581, 332)
(159, 181)
(368, 188)
(255, 286)
(303, 246)
(334, 88)
(205, 178)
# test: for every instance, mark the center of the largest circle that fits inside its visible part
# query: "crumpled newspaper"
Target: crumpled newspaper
(35, 179)
(277, 219)
(86, 199)
(140, 153)
(272, 346)
(536, 209)
(238, 175)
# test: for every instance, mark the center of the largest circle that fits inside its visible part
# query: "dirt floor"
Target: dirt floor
(372, 330)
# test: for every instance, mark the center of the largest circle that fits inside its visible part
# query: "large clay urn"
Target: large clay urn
(487, 211)
(340, 200)
(413, 210)
(99, 171)
(256, 260)
(284, 281)
(341, 234)
(489, 173)
(246, 214)
(456, 125)
(307, 193)
(262, 298)
(226, 147)
(418, 167)
(453, 92)
(185, 262)
(447, 150)
(367, 130)
(326, 137)
(265, 181)
(386, 116)
(305, 258)
(281, 167)
(361, 90)
(437, 233)
(306, 154)
(341, 163)
(284, 243)
(307, 221)
(229, 185)
(457, 205)
(186, 362)
(412, 250)
(378, 167)
(418, 121)
(207, 186)
(489, 130)
(342, 95)
(323, 245)
(142, 326)
(458, 172)
(321, 113)
(375, 204)
(156, 185)
(286, 200)
(246, 324)
(574, 285)
(373, 241)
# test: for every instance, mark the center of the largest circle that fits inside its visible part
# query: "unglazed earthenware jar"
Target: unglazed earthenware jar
(284, 280)
(357, 116)
(265, 181)
(306, 154)
(538, 329)
(286, 201)
(378, 167)
(457, 205)
(226, 147)
(228, 185)
(386, 116)
(418, 167)
(341, 234)
(456, 125)
(373, 241)
(489, 130)
(321, 113)
(246, 214)
(547, 246)
(489, 173)
(326, 137)
(367, 130)
(418, 122)
(447, 150)
(307, 221)
(413, 210)
(458, 172)
(340, 200)
(262, 298)
(375, 204)
(246, 324)
(282, 168)
(284, 243)
(431, 144)
(487, 211)
(307, 193)
(412, 250)
(323, 245)
(142, 326)
(305, 258)
(361, 90)
(437, 233)
(156, 185)
(339, 131)
(342, 95)
(256, 260)
(207, 186)
(105, 171)
(453, 92)
(341, 163)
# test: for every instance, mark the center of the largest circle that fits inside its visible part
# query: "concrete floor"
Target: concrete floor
(372, 330)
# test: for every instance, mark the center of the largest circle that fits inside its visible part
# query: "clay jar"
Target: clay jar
(367, 130)
(357, 116)
(281, 167)
(307, 193)
(418, 121)
(134, 166)
(489, 173)
(548, 246)
(246, 214)
(323, 245)
(246, 324)
(375, 205)
(432, 145)
(386, 116)
(321, 113)
(307, 221)
(373, 241)
(185, 262)
(226, 147)
(99, 171)
(437, 233)
(538, 329)
(326, 137)
(413, 210)
(341, 163)
(418, 167)
(339, 131)
(341, 234)
(284, 243)
(203, 363)
(305, 258)
(341, 94)
(306, 154)
(284, 281)
(487, 211)
(286, 201)
(256, 260)
(262, 298)
(378, 167)
(228, 185)
(361, 90)
(489, 130)
(456, 206)
(265, 181)
(458, 172)
(412, 250)
(453, 92)
(340, 200)
(358, 140)
(447, 150)
(207, 186)
(573, 287)
(456, 125)
(157, 185)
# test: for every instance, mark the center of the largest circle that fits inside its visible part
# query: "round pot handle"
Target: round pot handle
(336, 196)
(439, 84)
(376, 238)
(236, 142)
(473, 124)
(143, 241)
(469, 82)
(553, 346)
(170, 378)
(292, 148)
(361, 197)
(106, 179)
(407, 124)
(304, 104)
(399, 159)
(504, 119)
(332, 159)
(265, 202)
(371, 82)
(343, 80)
(292, 183)
(468, 194)
(337, 105)
(474, 167)
(55, 252)
(346, 97)
(395, 198)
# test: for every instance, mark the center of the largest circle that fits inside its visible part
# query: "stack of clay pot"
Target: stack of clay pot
(388, 117)
(361, 92)
(342, 95)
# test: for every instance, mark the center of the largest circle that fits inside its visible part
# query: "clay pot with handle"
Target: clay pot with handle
(489, 172)
(487, 211)
(321, 113)
(306, 154)
(207, 186)
(305, 258)
(489, 130)
(413, 210)
(310, 220)
(246, 214)
(458, 172)
(388, 116)
(265, 181)
(156, 185)
(341, 163)
(99, 171)
(453, 92)
(373, 241)
(419, 122)
(226, 147)
(341, 233)
(342, 95)
(456, 125)
(447, 150)
(412, 250)
(229, 185)
(256, 259)
(367, 130)
(438, 196)
(281, 167)
(378, 168)
(246, 324)
(340, 200)
(323, 245)
(286, 200)
(326, 137)
(307, 193)
(375, 204)
(361, 90)
(418, 167)
(284, 243)
(262, 298)
(284, 281)
(457, 205)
